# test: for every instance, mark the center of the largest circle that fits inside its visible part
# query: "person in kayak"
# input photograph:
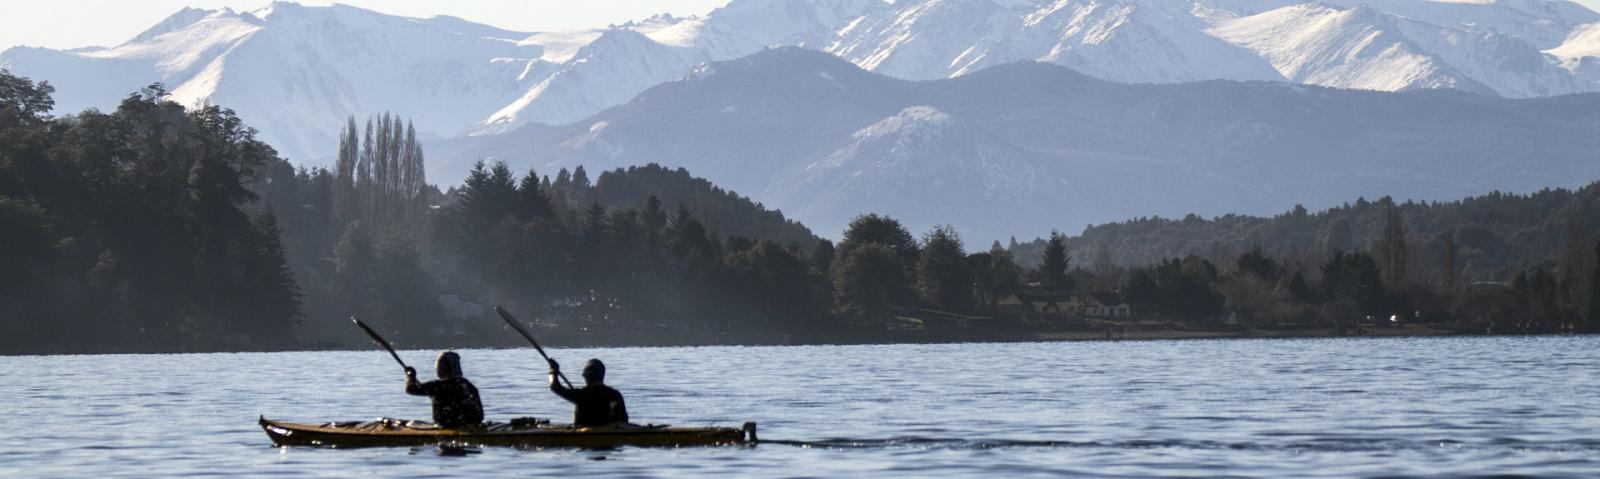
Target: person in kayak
(455, 399)
(595, 404)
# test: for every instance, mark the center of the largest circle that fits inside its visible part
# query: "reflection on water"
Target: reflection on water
(1435, 407)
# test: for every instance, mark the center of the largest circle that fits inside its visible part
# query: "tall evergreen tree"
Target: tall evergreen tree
(531, 201)
(654, 221)
(594, 224)
(1053, 268)
(1355, 277)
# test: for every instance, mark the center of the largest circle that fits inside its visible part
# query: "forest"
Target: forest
(157, 228)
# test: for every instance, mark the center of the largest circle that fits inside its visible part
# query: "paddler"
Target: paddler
(455, 399)
(595, 404)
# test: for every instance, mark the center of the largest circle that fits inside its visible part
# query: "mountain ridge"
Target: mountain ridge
(1038, 144)
(297, 72)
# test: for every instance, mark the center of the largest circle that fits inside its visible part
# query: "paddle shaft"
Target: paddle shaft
(379, 339)
(504, 315)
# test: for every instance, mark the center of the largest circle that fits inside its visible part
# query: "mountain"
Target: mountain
(296, 72)
(1015, 149)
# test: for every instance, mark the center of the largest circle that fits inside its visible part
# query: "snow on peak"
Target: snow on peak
(1584, 41)
(915, 120)
(297, 71)
(1351, 48)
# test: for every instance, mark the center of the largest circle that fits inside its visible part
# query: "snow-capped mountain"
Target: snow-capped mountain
(295, 72)
(1019, 148)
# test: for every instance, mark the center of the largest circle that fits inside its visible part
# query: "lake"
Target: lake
(1430, 407)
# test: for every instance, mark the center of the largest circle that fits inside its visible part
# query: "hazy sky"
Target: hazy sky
(80, 23)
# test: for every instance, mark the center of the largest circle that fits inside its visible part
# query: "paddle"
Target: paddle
(525, 334)
(379, 339)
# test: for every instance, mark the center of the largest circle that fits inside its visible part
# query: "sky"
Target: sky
(81, 23)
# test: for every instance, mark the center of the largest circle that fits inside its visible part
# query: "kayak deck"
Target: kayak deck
(534, 434)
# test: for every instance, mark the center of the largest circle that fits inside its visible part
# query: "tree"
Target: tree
(654, 221)
(345, 172)
(822, 258)
(865, 281)
(1260, 265)
(883, 231)
(944, 278)
(1594, 290)
(274, 295)
(1300, 291)
(531, 201)
(1393, 248)
(1448, 263)
(1574, 260)
(1004, 273)
(1053, 269)
(1355, 277)
(594, 224)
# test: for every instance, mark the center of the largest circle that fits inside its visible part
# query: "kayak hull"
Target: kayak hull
(389, 432)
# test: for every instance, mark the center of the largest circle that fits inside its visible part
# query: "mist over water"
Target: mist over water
(1437, 407)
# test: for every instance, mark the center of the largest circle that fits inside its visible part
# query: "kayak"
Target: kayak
(517, 433)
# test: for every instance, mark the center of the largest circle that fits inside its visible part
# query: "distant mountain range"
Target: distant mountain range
(296, 72)
(1019, 148)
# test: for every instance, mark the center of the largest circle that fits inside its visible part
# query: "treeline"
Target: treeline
(645, 252)
(154, 228)
(1501, 262)
(1494, 236)
(132, 231)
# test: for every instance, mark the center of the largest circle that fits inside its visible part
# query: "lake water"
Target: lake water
(1432, 407)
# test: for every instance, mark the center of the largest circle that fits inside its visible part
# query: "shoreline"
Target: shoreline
(920, 337)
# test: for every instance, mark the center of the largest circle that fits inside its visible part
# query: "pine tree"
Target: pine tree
(594, 224)
(531, 200)
(1053, 269)
(655, 223)
(276, 296)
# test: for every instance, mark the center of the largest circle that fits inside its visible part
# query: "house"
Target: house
(1104, 305)
(1048, 303)
(1042, 303)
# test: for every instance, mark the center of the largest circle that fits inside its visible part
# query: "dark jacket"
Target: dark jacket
(595, 405)
(455, 401)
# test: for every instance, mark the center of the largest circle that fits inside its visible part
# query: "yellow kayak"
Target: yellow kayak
(518, 433)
